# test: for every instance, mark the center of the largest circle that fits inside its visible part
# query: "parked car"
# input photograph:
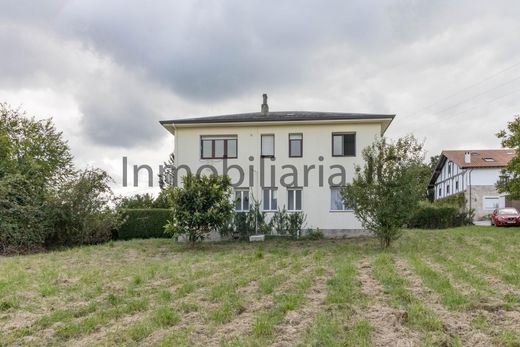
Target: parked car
(505, 216)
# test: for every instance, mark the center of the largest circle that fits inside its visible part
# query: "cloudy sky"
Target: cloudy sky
(108, 70)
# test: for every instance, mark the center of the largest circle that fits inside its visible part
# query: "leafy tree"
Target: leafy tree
(82, 211)
(168, 177)
(201, 205)
(510, 181)
(34, 160)
(22, 219)
(388, 188)
(138, 201)
(33, 148)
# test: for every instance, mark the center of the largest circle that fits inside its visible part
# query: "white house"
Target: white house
(473, 173)
(296, 159)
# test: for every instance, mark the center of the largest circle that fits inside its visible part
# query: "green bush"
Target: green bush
(430, 216)
(144, 223)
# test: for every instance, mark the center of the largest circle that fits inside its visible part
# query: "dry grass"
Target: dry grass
(446, 288)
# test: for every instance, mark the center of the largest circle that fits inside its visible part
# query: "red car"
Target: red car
(505, 216)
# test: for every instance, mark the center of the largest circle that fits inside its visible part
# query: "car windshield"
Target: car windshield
(508, 211)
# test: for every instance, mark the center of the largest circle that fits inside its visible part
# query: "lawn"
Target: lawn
(433, 288)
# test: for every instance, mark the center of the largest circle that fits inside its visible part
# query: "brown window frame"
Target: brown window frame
(342, 134)
(213, 139)
(301, 145)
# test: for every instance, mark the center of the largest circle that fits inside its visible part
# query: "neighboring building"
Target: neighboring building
(474, 173)
(294, 159)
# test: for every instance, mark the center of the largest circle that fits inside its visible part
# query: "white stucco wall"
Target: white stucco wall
(317, 141)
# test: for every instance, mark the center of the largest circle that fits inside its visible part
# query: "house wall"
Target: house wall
(446, 183)
(477, 195)
(479, 183)
(317, 152)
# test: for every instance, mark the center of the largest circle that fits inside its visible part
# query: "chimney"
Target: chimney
(467, 157)
(265, 108)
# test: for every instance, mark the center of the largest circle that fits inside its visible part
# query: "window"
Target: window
(440, 192)
(294, 199)
(449, 168)
(448, 189)
(270, 199)
(218, 147)
(336, 202)
(242, 200)
(456, 186)
(295, 145)
(267, 145)
(491, 202)
(343, 144)
(488, 159)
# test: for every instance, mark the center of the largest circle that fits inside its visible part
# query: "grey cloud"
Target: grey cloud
(121, 59)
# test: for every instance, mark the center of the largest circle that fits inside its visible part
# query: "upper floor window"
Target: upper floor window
(450, 164)
(295, 145)
(294, 199)
(343, 144)
(267, 145)
(242, 200)
(336, 201)
(270, 199)
(218, 147)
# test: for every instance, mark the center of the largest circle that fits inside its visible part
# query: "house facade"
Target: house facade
(473, 173)
(297, 160)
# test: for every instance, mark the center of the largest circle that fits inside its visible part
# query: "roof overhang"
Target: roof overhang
(171, 126)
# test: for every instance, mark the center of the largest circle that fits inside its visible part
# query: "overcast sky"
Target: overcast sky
(107, 71)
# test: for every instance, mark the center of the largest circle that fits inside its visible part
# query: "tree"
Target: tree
(33, 148)
(168, 177)
(138, 201)
(386, 191)
(83, 210)
(510, 180)
(34, 161)
(201, 205)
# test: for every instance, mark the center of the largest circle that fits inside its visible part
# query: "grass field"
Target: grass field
(458, 287)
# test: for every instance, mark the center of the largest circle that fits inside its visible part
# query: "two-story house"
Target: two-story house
(296, 159)
(473, 173)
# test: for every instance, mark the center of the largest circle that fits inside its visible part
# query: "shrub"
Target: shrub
(201, 205)
(313, 234)
(245, 224)
(82, 210)
(144, 223)
(288, 223)
(22, 219)
(430, 216)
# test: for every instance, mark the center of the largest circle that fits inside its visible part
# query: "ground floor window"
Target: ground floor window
(491, 202)
(242, 200)
(270, 199)
(294, 199)
(336, 202)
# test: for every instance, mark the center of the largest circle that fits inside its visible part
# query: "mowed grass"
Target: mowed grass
(434, 288)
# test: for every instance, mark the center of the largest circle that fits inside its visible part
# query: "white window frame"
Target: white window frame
(344, 208)
(273, 192)
(293, 192)
(267, 155)
(494, 197)
(239, 194)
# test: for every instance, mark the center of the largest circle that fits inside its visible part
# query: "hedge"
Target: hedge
(433, 217)
(143, 223)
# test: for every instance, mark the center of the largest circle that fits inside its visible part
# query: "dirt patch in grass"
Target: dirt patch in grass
(296, 322)
(457, 324)
(387, 321)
